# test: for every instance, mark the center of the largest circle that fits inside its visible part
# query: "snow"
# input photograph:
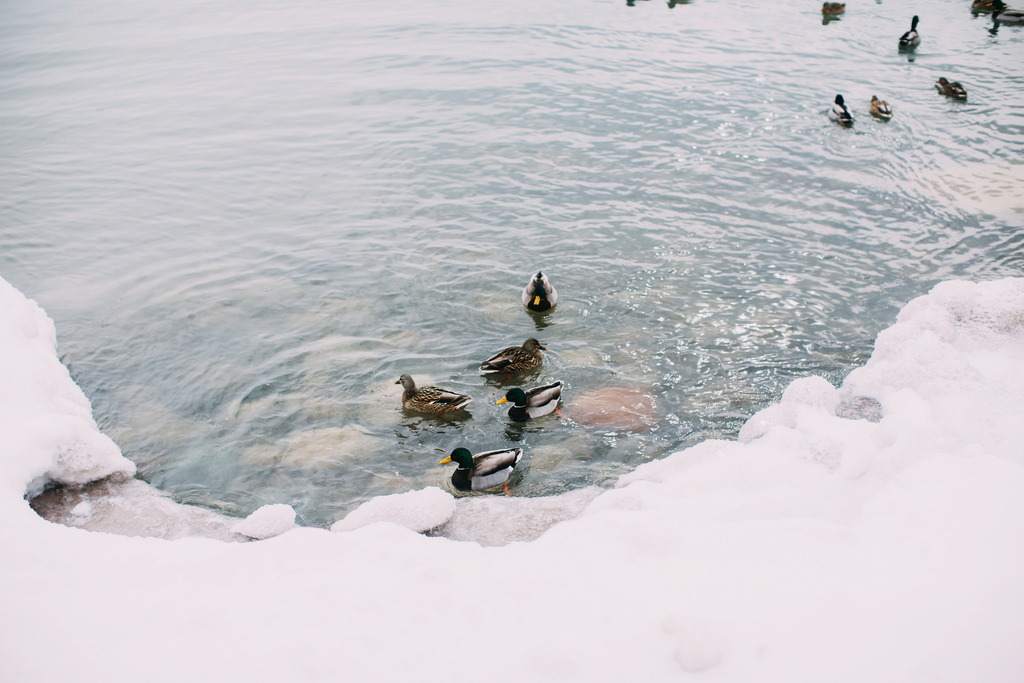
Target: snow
(267, 521)
(867, 533)
(419, 511)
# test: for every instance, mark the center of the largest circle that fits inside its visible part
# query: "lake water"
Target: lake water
(247, 219)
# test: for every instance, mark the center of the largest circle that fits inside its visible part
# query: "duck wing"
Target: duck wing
(493, 468)
(542, 400)
(501, 359)
(438, 398)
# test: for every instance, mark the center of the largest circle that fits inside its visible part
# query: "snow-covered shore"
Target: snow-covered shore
(870, 533)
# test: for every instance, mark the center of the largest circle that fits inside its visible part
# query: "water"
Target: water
(248, 219)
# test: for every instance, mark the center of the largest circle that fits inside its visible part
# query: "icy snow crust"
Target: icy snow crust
(884, 545)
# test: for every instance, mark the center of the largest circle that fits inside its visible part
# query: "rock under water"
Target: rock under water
(626, 409)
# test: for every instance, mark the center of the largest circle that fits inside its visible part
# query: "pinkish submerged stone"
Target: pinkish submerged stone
(615, 408)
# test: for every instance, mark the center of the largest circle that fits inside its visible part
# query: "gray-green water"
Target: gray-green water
(248, 219)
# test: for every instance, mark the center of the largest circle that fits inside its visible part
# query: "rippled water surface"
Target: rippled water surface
(248, 219)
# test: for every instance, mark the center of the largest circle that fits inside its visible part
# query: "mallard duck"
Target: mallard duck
(515, 358)
(483, 470)
(839, 113)
(986, 4)
(430, 399)
(1004, 15)
(911, 38)
(532, 403)
(880, 109)
(833, 8)
(539, 295)
(951, 89)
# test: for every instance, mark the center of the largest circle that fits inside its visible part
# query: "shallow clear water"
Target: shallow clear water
(248, 219)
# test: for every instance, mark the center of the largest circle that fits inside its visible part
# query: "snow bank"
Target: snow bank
(416, 510)
(267, 521)
(47, 432)
(866, 533)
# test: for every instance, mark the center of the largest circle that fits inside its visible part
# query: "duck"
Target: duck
(839, 113)
(539, 295)
(986, 4)
(484, 470)
(880, 109)
(1003, 15)
(833, 8)
(430, 399)
(911, 38)
(527, 405)
(951, 89)
(514, 359)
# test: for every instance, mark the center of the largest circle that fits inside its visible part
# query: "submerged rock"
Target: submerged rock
(315, 448)
(625, 409)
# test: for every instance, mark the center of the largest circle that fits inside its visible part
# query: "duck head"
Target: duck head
(533, 345)
(516, 396)
(461, 456)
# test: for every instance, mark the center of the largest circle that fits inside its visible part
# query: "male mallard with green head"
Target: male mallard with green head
(430, 399)
(1002, 14)
(539, 295)
(911, 38)
(514, 359)
(839, 113)
(483, 470)
(532, 403)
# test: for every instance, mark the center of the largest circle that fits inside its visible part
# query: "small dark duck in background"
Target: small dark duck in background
(839, 113)
(911, 38)
(880, 109)
(951, 89)
(1004, 15)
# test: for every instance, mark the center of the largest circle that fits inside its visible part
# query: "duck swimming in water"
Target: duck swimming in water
(433, 400)
(839, 113)
(1004, 15)
(539, 295)
(880, 109)
(951, 89)
(911, 38)
(483, 470)
(513, 359)
(535, 402)
(833, 8)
